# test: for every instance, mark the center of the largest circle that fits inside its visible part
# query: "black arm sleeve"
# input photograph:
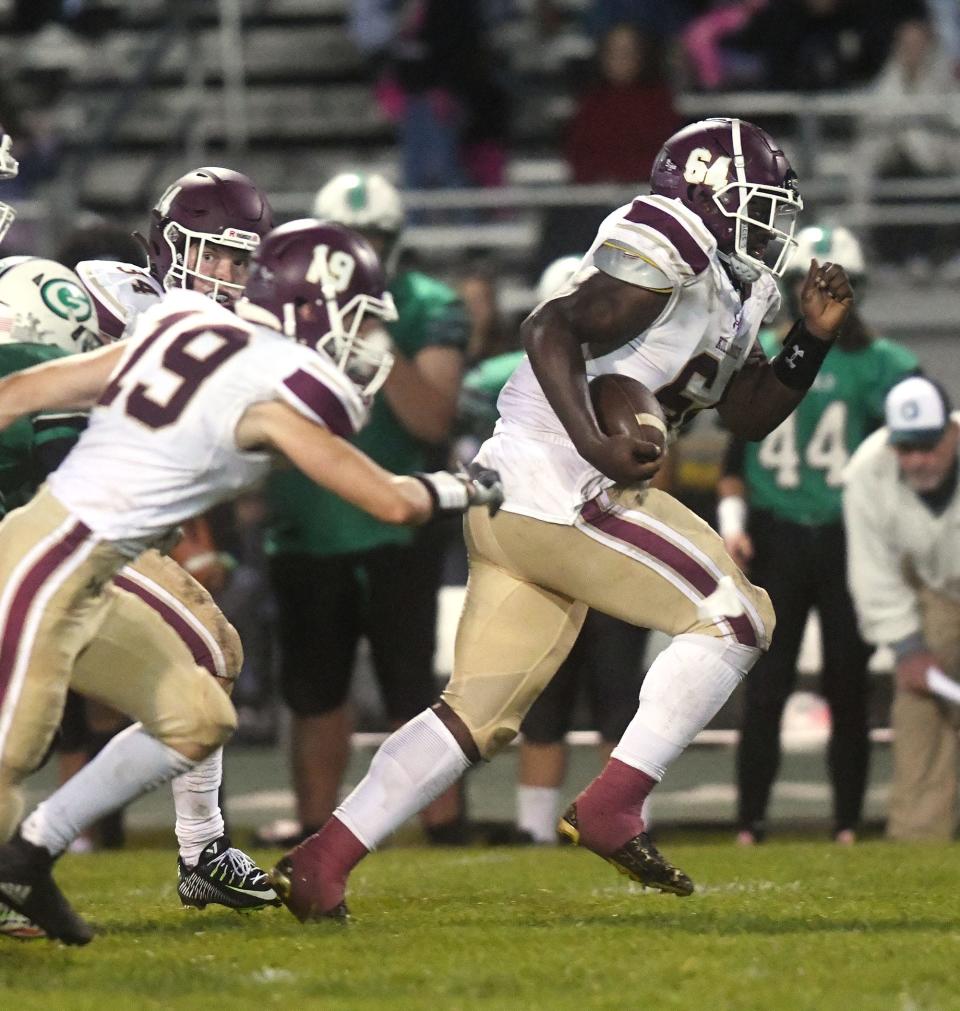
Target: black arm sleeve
(732, 465)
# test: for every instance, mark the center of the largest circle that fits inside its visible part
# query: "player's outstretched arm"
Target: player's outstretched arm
(336, 465)
(765, 392)
(73, 383)
(605, 314)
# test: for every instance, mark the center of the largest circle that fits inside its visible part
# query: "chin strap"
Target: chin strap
(740, 269)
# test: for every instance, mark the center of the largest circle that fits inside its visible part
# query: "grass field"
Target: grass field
(788, 925)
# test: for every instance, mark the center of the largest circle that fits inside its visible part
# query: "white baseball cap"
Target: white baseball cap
(917, 412)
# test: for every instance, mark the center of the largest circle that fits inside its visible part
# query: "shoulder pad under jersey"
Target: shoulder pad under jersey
(653, 239)
(120, 292)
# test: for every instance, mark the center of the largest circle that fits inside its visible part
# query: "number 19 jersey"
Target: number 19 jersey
(797, 471)
(160, 445)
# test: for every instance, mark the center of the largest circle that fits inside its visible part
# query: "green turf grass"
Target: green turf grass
(786, 925)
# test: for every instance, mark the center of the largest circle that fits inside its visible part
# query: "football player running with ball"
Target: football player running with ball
(193, 409)
(671, 293)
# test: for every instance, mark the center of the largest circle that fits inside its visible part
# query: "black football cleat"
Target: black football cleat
(638, 858)
(27, 887)
(224, 876)
(297, 883)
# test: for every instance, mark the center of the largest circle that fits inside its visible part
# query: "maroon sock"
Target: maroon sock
(608, 810)
(323, 862)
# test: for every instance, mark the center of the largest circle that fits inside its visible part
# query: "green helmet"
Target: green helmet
(825, 243)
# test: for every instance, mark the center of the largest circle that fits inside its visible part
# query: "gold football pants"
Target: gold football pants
(147, 651)
(639, 556)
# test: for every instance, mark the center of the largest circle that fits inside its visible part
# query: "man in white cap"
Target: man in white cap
(902, 510)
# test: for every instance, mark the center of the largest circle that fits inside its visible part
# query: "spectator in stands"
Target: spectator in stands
(440, 84)
(622, 121)
(780, 516)
(340, 575)
(901, 506)
(816, 45)
(792, 45)
(945, 16)
(909, 129)
(710, 44)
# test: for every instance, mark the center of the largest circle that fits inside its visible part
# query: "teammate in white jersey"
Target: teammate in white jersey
(672, 293)
(201, 235)
(202, 232)
(193, 409)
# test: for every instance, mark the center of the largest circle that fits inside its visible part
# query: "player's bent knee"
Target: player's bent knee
(231, 647)
(200, 722)
(490, 732)
(492, 739)
(219, 718)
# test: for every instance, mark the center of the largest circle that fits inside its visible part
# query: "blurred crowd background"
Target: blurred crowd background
(510, 128)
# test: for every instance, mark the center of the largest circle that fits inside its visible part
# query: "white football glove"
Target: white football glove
(453, 494)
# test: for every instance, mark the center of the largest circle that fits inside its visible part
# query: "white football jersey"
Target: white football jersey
(120, 293)
(687, 356)
(160, 445)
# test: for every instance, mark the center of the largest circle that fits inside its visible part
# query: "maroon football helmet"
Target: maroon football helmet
(208, 205)
(752, 200)
(317, 282)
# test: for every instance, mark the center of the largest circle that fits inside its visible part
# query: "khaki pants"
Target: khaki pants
(63, 623)
(638, 556)
(924, 797)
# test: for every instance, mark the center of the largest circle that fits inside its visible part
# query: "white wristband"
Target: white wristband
(449, 493)
(731, 516)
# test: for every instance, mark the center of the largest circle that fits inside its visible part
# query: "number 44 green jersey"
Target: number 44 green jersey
(796, 472)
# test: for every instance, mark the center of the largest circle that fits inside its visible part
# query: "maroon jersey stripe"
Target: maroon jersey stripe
(643, 213)
(324, 403)
(31, 584)
(669, 554)
(191, 638)
(109, 323)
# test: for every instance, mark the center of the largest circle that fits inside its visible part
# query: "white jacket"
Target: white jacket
(890, 528)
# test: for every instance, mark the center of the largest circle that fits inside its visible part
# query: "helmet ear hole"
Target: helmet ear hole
(700, 196)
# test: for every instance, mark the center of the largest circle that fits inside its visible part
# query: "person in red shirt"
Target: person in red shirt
(621, 122)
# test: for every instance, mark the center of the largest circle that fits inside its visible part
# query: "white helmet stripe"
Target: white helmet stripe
(739, 162)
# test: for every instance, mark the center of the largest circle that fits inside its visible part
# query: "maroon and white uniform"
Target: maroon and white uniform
(120, 292)
(687, 357)
(160, 446)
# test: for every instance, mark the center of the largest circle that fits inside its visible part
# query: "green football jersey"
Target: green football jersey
(305, 518)
(19, 474)
(796, 472)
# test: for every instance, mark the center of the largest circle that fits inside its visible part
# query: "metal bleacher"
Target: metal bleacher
(276, 88)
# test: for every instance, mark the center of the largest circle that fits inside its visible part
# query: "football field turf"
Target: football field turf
(787, 925)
